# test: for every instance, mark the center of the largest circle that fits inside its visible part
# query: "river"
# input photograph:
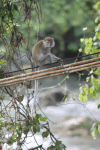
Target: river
(69, 108)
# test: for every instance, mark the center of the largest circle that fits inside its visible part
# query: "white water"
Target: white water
(70, 108)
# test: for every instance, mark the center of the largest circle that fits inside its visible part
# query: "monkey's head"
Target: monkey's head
(48, 42)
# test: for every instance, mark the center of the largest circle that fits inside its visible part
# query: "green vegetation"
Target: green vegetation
(20, 23)
(50, 18)
(93, 88)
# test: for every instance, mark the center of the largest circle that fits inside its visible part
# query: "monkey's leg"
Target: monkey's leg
(54, 58)
(45, 59)
(42, 57)
(48, 58)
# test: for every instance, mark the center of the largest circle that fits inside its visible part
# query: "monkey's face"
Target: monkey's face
(48, 42)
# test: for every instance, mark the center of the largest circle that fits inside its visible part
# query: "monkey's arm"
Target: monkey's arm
(54, 58)
(44, 59)
(47, 58)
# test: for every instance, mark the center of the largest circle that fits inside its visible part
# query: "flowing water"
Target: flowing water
(70, 108)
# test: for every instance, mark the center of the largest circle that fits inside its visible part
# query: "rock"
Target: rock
(51, 97)
(73, 127)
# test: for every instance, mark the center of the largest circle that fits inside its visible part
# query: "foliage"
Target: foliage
(16, 129)
(66, 14)
(35, 124)
(18, 20)
(62, 16)
(93, 88)
(2, 66)
(95, 128)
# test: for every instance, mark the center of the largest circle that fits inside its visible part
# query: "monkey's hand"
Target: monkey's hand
(60, 60)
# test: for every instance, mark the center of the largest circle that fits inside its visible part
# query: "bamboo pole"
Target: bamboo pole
(50, 69)
(26, 78)
(53, 73)
(61, 73)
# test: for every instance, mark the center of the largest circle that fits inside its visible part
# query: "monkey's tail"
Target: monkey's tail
(35, 95)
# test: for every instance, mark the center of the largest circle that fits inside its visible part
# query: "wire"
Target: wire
(50, 63)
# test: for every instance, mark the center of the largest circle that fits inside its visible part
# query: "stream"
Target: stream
(69, 108)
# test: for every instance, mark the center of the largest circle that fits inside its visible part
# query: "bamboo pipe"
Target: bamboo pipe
(54, 73)
(61, 73)
(50, 69)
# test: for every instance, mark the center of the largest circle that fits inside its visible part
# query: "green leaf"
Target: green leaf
(28, 126)
(2, 98)
(91, 92)
(45, 134)
(9, 56)
(15, 136)
(35, 121)
(51, 148)
(20, 98)
(94, 132)
(12, 128)
(99, 128)
(58, 148)
(10, 141)
(5, 123)
(62, 146)
(93, 126)
(98, 106)
(2, 62)
(43, 119)
(83, 97)
(90, 40)
(98, 123)
(97, 19)
(58, 143)
(25, 131)
(38, 116)
(98, 5)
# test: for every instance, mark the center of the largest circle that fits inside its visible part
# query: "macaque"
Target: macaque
(41, 54)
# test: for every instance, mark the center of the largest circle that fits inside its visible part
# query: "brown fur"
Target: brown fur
(42, 55)
(36, 50)
(48, 38)
(38, 47)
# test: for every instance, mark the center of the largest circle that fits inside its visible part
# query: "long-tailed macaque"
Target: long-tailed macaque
(41, 54)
